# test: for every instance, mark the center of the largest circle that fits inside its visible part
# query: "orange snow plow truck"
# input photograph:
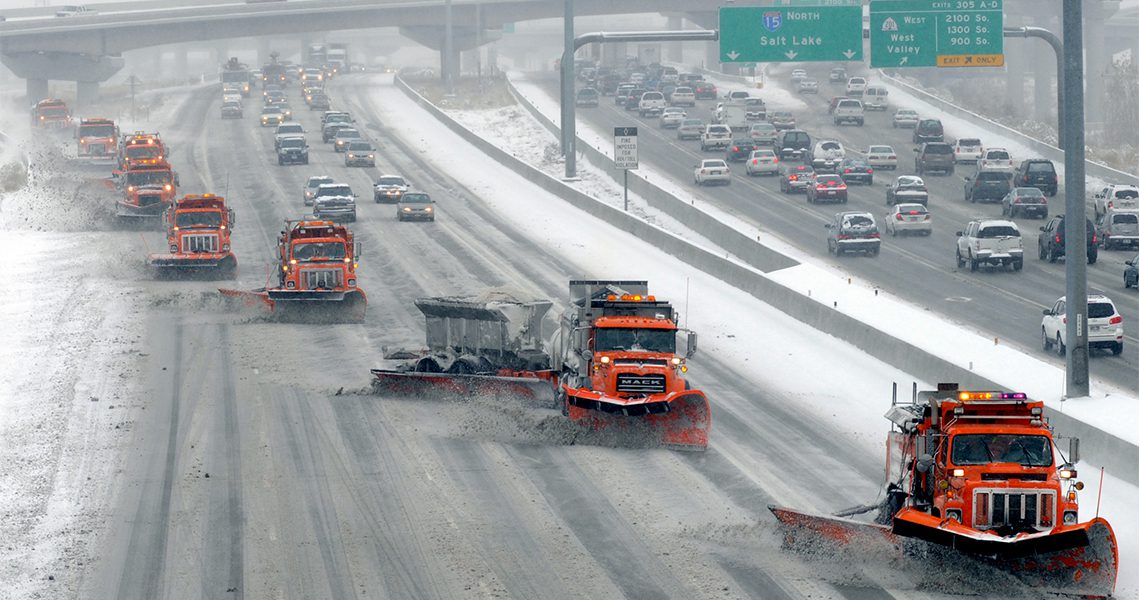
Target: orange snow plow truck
(149, 186)
(979, 472)
(316, 275)
(51, 113)
(197, 236)
(97, 139)
(612, 364)
(138, 146)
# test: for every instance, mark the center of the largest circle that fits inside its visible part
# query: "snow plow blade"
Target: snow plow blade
(535, 387)
(680, 421)
(1080, 559)
(223, 265)
(308, 307)
(820, 534)
(130, 211)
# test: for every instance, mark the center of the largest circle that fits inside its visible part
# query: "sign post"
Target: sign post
(936, 33)
(791, 34)
(625, 154)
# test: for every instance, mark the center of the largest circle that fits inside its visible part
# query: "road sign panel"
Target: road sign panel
(625, 147)
(790, 34)
(936, 33)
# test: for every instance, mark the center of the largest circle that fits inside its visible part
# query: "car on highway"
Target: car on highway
(995, 159)
(276, 97)
(905, 118)
(335, 116)
(907, 189)
(1131, 273)
(292, 151)
(286, 130)
(311, 185)
(794, 178)
(849, 110)
(826, 187)
(993, 242)
(286, 110)
(826, 155)
(987, 186)
(232, 110)
(334, 201)
(1024, 202)
(623, 93)
(587, 97)
(853, 231)
(967, 150)
(318, 100)
(762, 162)
(809, 85)
(682, 96)
(633, 102)
(740, 149)
(856, 87)
(781, 119)
(672, 117)
(837, 75)
(934, 157)
(1051, 244)
(705, 90)
(909, 218)
(360, 153)
(881, 156)
(798, 75)
(1118, 228)
(389, 188)
(1038, 173)
(1105, 326)
(929, 130)
(793, 144)
(715, 137)
(712, 170)
(856, 170)
(834, 103)
(764, 134)
(415, 206)
(1115, 195)
(271, 116)
(690, 129)
(651, 104)
(345, 136)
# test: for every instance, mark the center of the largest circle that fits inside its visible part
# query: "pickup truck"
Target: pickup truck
(849, 111)
(994, 242)
(715, 137)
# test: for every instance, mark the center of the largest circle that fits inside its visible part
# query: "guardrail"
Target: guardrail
(1118, 456)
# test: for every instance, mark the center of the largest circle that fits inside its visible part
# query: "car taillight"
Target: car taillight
(843, 236)
(1057, 239)
(777, 160)
(1095, 238)
(846, 170)
(735, 148)
(898, 217)
(792, 177)
(1116, 320)
(1018, 201)
(876, 235)
(841, 186)
(869, 171)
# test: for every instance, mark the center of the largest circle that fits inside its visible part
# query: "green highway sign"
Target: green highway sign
(790, 34)
(936, 33)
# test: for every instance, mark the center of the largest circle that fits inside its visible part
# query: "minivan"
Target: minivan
(874, 98)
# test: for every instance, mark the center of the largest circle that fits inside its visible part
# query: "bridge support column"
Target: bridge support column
(264, 49)
(181, 57)
(674, 52)
(86, 93)
(1096, 59)
(37, 90)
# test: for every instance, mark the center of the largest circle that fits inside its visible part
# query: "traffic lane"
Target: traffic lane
(968, 298)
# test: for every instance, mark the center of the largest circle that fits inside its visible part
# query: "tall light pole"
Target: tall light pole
(569, 125)
(1075, 217)
(449, 53)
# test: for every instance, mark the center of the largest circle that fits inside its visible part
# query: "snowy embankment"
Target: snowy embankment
(71, 339)
(849, 395)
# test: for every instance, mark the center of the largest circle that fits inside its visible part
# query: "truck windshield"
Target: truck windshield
(53, 111)
(143, 151)
(644, 340)
(148, 178)
(986, 448)
(316, 251)
(97, 131)
(198, 219)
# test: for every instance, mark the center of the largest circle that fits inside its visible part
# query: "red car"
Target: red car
(704, 90)
(830, 188)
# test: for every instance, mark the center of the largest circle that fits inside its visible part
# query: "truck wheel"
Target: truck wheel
(1092, 258)
(973, 264)
(960, 261)
(1018, 265)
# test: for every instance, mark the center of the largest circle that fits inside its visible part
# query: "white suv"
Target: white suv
(651, 104)
(1116, 196)
(856, 86)
(994, 242)
(1105, 326)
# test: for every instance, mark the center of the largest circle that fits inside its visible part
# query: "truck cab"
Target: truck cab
(198, 231)
(317, 257)
(97, 138)
(51, 113)
(150, 185)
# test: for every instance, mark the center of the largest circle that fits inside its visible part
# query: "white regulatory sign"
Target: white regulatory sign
(625, 147)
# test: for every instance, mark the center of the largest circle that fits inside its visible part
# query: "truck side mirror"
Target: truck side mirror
(1073, 450)
(690, 349)
(356, 251)
(232, 220)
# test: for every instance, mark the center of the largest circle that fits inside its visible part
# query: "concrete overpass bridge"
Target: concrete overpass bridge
(88, 49)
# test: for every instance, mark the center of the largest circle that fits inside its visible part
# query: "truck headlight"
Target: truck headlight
(351, 283)
(173, 248)
(953, 513)
(1070, 517)
(290, 284)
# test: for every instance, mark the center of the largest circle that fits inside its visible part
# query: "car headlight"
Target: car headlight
(406, 209)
